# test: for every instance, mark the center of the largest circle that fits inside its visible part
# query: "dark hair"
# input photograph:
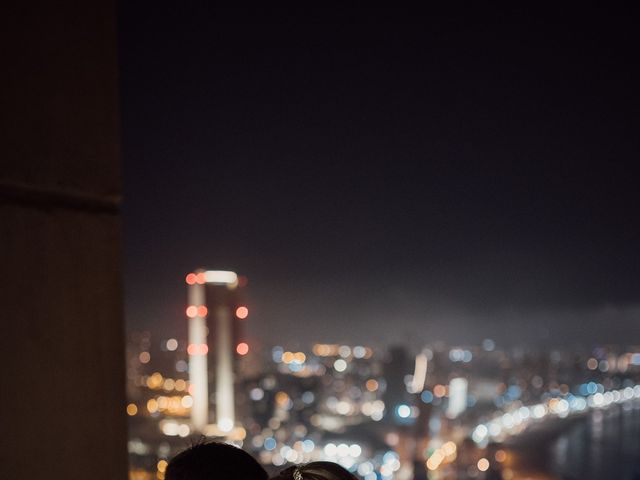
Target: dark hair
(316, 471)
(214, 461)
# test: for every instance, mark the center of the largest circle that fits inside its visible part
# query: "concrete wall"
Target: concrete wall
(62, 331)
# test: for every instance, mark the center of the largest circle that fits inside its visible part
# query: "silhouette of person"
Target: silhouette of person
(315, 471)
(214, 461)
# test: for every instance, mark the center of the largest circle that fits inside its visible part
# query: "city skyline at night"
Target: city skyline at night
(431, 220)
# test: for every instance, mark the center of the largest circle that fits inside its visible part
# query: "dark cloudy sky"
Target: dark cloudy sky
(383, 175)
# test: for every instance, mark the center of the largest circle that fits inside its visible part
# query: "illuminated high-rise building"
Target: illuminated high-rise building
(214, 306)
(457, 397)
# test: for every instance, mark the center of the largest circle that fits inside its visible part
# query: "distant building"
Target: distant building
(398, 367)
(214, 307)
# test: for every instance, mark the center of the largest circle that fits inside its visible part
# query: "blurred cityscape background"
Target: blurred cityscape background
(431, 223)
(441, 411)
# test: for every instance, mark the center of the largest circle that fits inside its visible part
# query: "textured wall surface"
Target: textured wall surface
(62, 331)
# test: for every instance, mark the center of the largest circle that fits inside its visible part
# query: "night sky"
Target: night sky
(386, 176)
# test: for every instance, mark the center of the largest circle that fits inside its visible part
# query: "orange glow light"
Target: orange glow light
(202, 311)
(242, 348)
(200, 278)
(192, 311)
(197, 349)
(439, 391)
(242, 312)
(282, 398)
(191, 279)
(287, 357)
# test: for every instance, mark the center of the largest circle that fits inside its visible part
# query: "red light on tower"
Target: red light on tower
(197, 349)
(242, 312)
(200, 278)
(191, 279)
(193, 311)
(242, 348)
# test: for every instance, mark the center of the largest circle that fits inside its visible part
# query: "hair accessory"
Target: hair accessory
(297, 474)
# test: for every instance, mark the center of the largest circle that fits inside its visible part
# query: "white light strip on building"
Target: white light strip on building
(420, 373)
(225, 409)
(220, 277)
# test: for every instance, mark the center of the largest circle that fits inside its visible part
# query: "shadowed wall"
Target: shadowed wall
(61, 345)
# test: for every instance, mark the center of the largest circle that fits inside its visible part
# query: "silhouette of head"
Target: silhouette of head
(214, 461)
(315, 471)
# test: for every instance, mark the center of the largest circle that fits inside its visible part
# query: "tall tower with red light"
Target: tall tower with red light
(214, 312)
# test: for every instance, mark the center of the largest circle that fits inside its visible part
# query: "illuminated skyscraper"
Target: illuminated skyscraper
(213, 304)
(457, 397)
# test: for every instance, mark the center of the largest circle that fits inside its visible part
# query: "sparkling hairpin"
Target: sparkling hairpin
(297, 475)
